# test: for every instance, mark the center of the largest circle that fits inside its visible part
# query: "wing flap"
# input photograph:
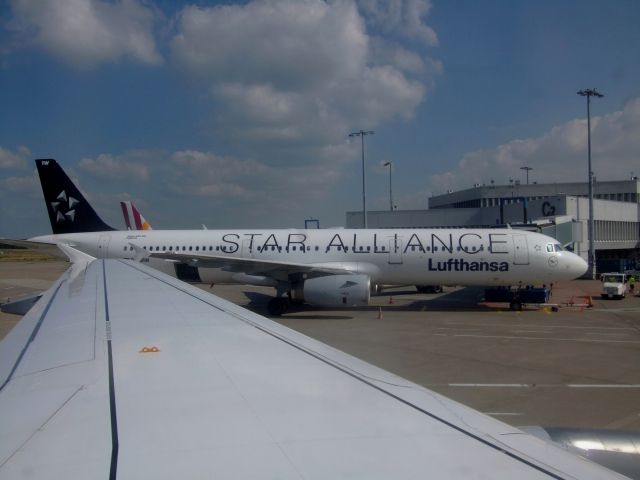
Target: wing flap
(52, 385)
(61, 330)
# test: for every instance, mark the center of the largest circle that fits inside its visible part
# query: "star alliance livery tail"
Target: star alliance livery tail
(69, 211)
(133, 218)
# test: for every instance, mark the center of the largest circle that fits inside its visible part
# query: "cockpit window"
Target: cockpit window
(550, 247)
(558, 247)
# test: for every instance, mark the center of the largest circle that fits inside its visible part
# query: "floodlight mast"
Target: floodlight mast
(362, 134)
(527, 169)
(590, 92)
(390, 164)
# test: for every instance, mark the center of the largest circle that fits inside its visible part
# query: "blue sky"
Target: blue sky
(237, 114)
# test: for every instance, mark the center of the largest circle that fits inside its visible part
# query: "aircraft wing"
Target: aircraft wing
(41, 247)
(279, 270)
(120, 371)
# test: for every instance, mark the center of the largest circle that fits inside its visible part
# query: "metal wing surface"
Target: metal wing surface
(120, 371)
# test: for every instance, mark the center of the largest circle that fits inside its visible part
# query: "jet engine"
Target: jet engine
(334, 291)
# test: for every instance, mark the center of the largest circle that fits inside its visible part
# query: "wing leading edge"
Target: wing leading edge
(121, 370)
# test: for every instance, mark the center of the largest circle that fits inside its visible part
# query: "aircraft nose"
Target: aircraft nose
(577, 265)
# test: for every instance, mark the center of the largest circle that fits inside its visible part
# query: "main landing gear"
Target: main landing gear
(429, 288)
(278, 306)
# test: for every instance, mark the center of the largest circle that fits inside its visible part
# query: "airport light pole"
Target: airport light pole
(389, 164)
(527, 169)
(362, 134)
(590, 92)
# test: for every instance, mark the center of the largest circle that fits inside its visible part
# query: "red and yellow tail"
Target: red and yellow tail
(133, 218)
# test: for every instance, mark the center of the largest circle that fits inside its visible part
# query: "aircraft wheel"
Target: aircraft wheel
(278, 306)
(429, 288)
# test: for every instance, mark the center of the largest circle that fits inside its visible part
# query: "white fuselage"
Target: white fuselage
(387, 256)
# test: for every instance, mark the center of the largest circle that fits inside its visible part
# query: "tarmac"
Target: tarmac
(577, 367)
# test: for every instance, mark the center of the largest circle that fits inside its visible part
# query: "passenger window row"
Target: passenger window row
(473, 248)
(273, 248)
(210, 248)
(300, 248)
(225, 248)
(294, 248)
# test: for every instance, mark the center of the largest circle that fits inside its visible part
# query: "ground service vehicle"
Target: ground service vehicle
(614, 285)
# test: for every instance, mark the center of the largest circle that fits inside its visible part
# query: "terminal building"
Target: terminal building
(560, 210)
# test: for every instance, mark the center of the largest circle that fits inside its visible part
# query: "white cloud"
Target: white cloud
(291, 44)
(128, 167)
(27, 184)
(559, 155)
(385, 93)
(9, 159)
(21, 206)
(86, 33)
(205, 174)
(404, 18)
(386, 52)
(287, 73)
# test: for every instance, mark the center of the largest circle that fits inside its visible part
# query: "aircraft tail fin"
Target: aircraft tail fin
(133, 218)
(69, 211)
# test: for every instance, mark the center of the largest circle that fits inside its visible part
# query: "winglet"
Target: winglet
(76, 257)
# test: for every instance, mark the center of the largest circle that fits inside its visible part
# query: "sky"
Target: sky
(238, 114)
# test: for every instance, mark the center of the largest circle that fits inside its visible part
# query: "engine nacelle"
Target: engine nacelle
(335, 291)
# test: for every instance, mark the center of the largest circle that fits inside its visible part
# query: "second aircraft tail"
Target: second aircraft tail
(133, 218)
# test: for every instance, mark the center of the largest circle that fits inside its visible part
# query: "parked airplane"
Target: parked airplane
(133, 219)
(329, 267)
(120, 371)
